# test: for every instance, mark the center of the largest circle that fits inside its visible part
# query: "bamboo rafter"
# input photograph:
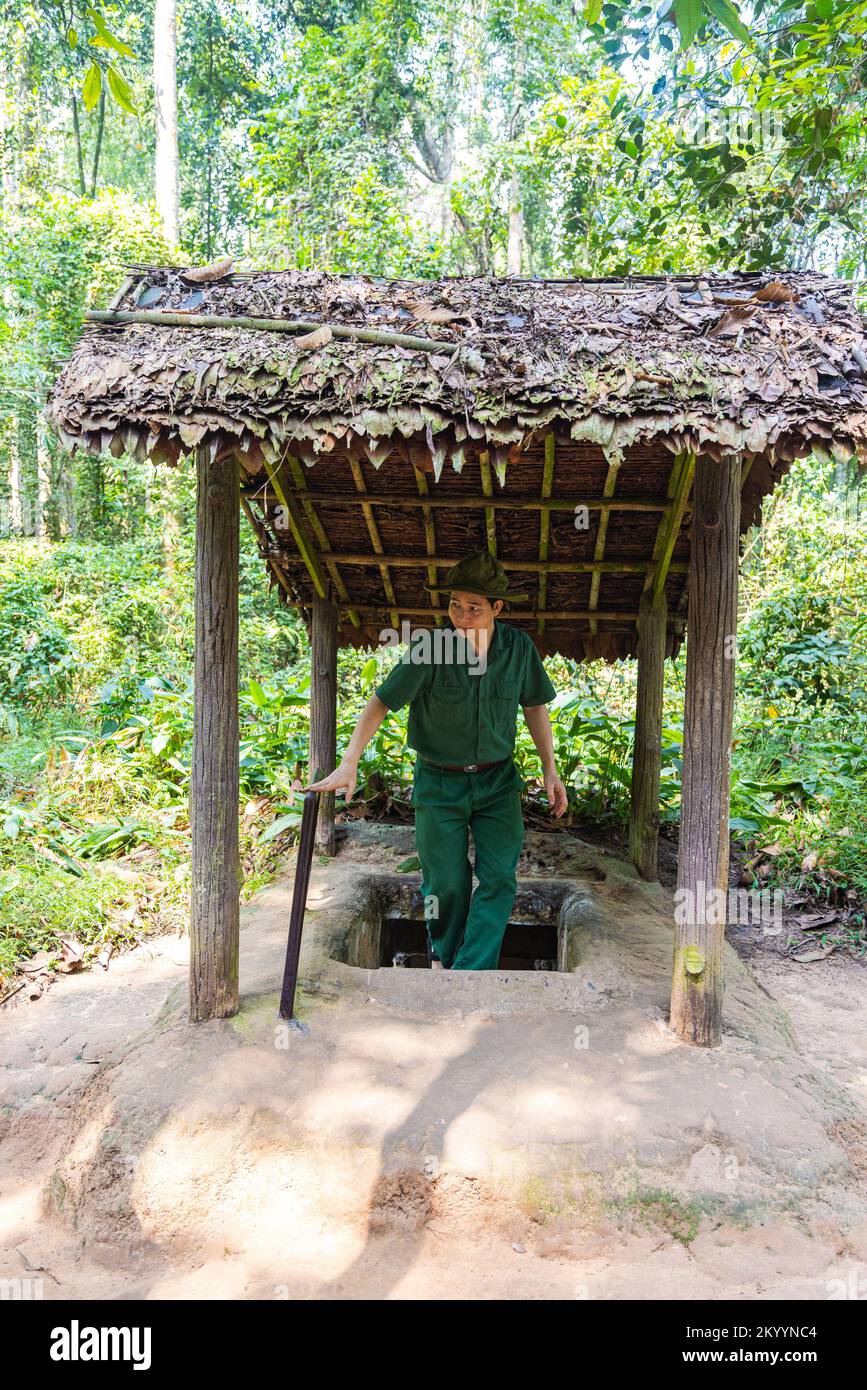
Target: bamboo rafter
(553, 615)
(296, 523)
(430, 538)
(680, 482)
(601, 537)
(525, 566)
(499, 503)
(297, 470)
(545, 522)
(373, 531)
(488, 490)
(261, 534)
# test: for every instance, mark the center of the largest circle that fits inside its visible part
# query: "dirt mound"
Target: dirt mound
(421, 1123)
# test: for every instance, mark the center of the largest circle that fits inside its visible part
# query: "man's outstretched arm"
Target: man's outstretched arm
(345, 774)
(540, 731)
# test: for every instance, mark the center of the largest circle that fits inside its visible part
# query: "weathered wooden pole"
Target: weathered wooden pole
(644, 819)
(703, 860)
(214, 924)
(323, 711)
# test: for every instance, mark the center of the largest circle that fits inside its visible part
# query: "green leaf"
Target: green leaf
(689, 16)
(729, 18)
(257, 694)
(121, 90)
(693, 960)
(289, 821)
(409, 866)
(92, 86)
(72, 37)
(368, 671)
(105, 38)
(592, 11)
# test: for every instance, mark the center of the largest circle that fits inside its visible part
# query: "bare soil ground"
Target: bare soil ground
(426, 1135)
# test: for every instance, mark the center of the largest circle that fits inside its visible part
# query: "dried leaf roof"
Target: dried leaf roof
(698, 361)
(532, 397)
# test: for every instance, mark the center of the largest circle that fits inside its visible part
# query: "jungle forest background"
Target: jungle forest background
(411, 138)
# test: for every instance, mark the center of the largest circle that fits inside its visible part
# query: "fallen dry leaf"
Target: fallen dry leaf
(814, 953)
(776, 293)
(811, 921)
(40, 961)
(429, 313)
(206, 274)
(317, 339)
(732, 320)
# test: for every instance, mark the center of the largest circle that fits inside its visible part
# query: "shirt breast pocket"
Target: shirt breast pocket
(503, 697)
(446, 694)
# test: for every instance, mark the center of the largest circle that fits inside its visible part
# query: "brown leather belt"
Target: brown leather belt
(468, 767)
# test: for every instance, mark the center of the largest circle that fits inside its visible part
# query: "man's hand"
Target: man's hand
(345, 776)
(556, 793)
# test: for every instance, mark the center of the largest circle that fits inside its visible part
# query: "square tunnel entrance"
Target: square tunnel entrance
(549, 921)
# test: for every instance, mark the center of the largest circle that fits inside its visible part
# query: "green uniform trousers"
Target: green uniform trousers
(467, 933)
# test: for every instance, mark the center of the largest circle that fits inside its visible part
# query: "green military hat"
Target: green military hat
(479, 573)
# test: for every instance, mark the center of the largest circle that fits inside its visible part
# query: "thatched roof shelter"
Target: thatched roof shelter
(481, 412)
(609, 440)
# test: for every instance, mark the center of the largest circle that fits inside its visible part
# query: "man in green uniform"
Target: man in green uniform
(463, 685)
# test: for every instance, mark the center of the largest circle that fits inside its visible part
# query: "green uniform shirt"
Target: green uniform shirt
(456, 716)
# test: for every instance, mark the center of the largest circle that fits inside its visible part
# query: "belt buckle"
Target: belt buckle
(472, 767)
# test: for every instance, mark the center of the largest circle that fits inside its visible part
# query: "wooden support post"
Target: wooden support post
(214, 924)
(644, 820)
(323, 711)
(703, 860)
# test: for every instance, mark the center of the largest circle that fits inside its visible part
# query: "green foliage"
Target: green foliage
(36, 659)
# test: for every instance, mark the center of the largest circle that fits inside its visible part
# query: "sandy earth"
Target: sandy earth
(451, 1135)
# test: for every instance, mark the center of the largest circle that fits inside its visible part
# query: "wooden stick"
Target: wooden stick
(646, 754)
(525, 566)
(517, 613)
(500, 503)
(373, 532)
(261, 325)
(601, 537)
(545, 520)
(297, 470)
(670, 526)
(296, 524)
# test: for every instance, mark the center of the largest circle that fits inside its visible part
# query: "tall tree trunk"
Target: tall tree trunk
(166, 104)
(516, 211)
(79, 153)
(97, 149)
(42, 524)
(15, 507)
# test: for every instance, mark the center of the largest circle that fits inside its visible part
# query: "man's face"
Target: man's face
(472, 611)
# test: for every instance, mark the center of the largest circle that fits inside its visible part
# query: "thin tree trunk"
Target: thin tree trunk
(166, 105)
(15, 508)
(43, 481)
(98, 146)
(76, 128)
(516, 212)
